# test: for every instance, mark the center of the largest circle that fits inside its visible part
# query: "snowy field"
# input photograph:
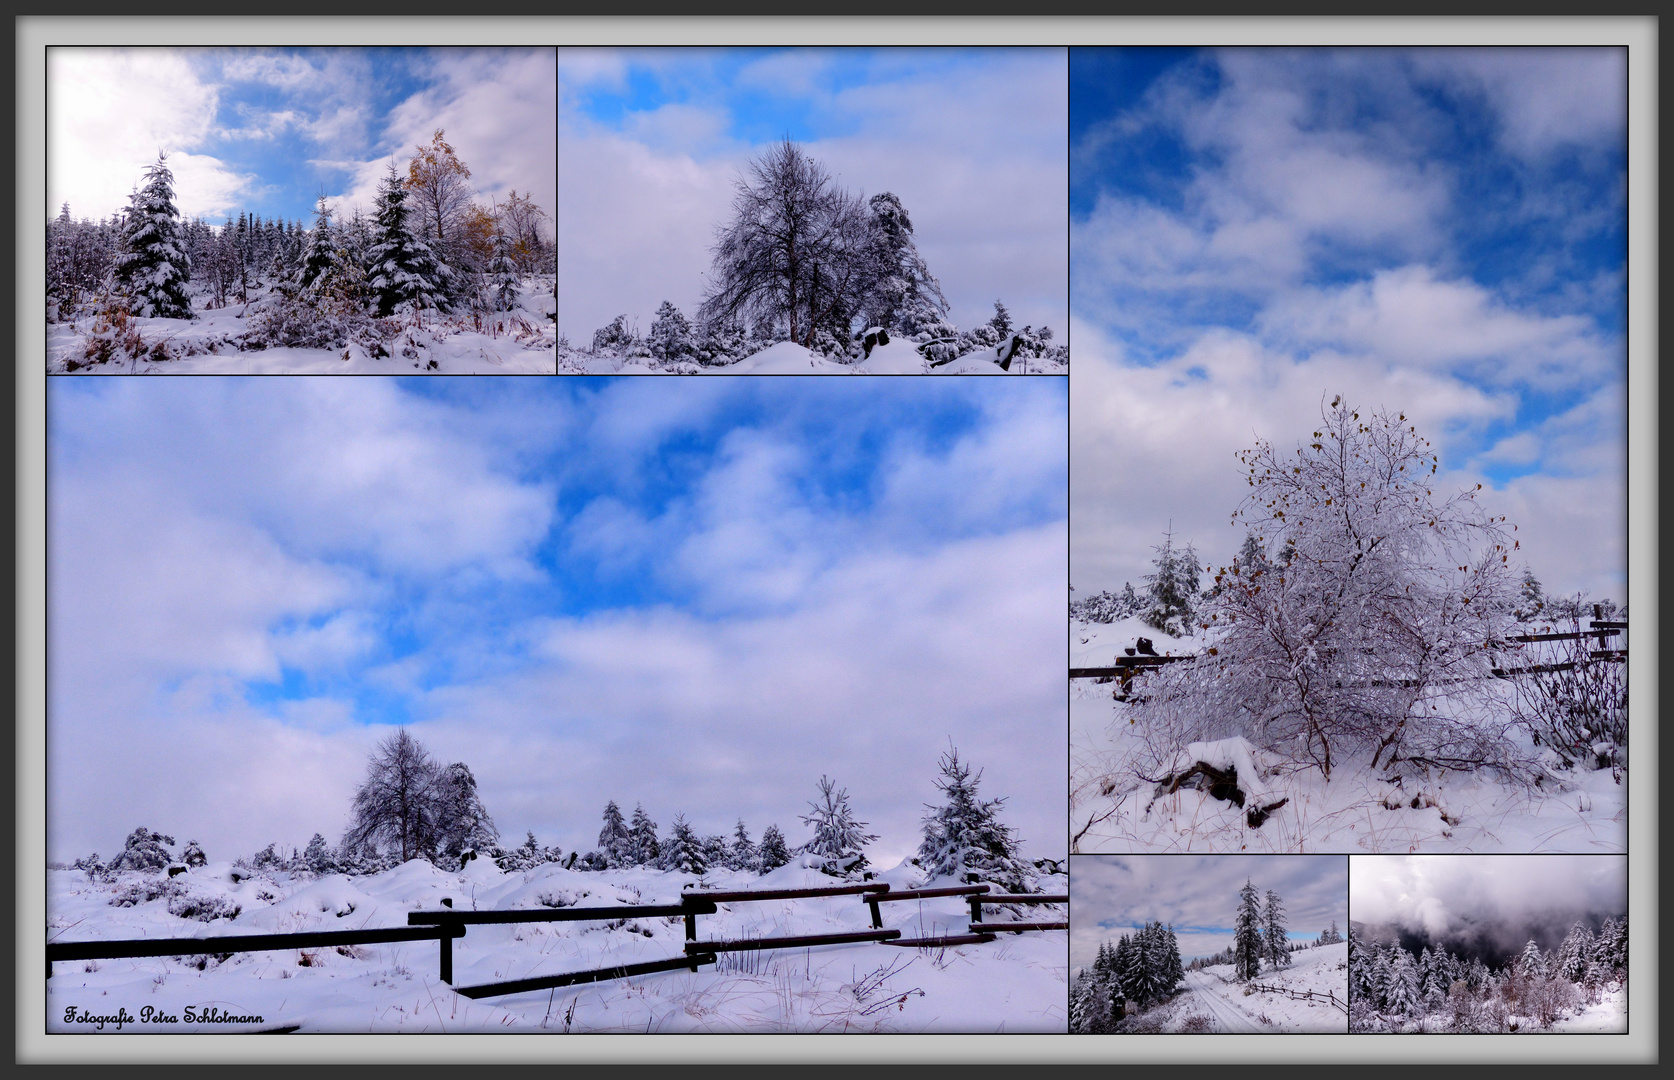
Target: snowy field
(1017, 982)
(1357, 810)
(786, 358)
(225, 340)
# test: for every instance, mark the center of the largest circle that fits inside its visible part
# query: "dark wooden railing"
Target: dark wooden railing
(237, 943)
(446, 924)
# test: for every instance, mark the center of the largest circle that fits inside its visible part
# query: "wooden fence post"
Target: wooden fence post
(444, 936)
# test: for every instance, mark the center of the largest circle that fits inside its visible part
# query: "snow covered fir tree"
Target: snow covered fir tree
(426, 278)
(1371, 624)
(806, 262)
(1581, 985)
(1134, 974)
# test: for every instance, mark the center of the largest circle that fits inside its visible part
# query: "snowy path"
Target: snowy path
(1227, 1015)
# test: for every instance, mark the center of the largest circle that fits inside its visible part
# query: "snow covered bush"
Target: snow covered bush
(204, 907)
(143, 850)
(1579, 711)
(1373, 599)
(1107, 607)
(964, 839)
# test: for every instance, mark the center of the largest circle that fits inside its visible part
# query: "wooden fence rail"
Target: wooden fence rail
(1302, 995)
(443, 926)
(547, 982)
(237, 943)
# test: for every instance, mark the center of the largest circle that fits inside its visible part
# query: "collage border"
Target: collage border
(32, 34)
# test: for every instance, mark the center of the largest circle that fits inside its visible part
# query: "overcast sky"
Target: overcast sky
(1503, 899)
(1112, 895)
(696, 595)
(652, 141)
(1437, 232)
(269, 130)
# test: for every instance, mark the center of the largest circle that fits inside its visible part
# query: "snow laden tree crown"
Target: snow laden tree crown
(1366, 598)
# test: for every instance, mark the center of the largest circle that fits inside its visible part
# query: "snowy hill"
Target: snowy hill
(1274, 1000)
(1015, 983)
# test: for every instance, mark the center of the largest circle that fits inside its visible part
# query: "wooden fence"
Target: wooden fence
(1126, 667)
(446, 924)
(1302, 995)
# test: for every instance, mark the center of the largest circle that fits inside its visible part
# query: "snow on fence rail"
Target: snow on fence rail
(1302, 995)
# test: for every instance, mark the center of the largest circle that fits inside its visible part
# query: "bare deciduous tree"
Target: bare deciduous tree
(1375, 600)
(401, 805)
(792, 253)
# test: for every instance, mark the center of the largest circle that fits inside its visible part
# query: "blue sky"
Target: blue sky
(698, 597)
(1441, 232)
(1112, 895)
(269, 130)
(651, 141)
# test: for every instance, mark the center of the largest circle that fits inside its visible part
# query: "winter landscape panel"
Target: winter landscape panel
(403, 646)
(1496, 945)
(1199, 944)
(326, 210)
(889, 211)
(1348, 459)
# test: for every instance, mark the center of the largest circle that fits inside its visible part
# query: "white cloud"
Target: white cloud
(1545, 99)
(109, 113)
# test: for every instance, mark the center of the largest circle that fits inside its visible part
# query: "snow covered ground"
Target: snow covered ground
(219, 341)
(1610, 1014)
(1357, 810)
(785, 358)
(1017, 982)
(1236, 1007)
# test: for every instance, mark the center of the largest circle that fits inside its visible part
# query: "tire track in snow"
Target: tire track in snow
(1229, 1016)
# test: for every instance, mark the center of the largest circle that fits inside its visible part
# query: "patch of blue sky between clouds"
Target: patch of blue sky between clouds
(762, 95)
(840, 446)
(1226, 191)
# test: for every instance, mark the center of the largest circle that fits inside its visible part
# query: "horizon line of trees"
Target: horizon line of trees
(806, 261)
(1392, 988)
(410, 806)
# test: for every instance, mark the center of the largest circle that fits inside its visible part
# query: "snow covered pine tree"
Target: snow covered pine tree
(963, 838)
(838, 837)
(401, 270)
(1246, 935)
(152, 268)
